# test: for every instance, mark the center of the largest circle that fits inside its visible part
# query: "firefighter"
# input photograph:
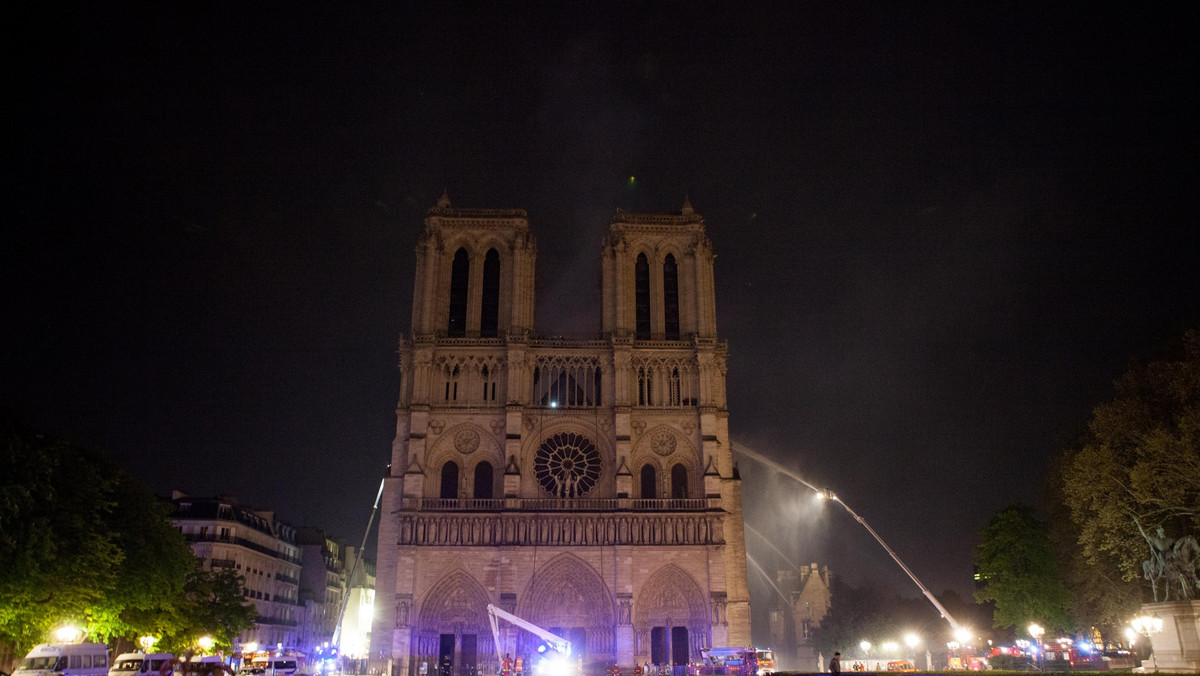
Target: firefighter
(519, 664)
(507, 665)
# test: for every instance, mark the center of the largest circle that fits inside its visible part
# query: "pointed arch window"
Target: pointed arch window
(483, 481)
(641, 297)
(649, 478)
(460, 274)
(449, 480)
(671, 298)
(673, 388)
(452, 383)
(645, 387)
(489, 321)
(679, 482)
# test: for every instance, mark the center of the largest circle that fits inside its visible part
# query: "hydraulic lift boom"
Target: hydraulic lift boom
(558, 643)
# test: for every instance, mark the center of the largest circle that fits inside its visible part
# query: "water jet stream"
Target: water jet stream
(827, 494)
(766, 577)
(770, 544)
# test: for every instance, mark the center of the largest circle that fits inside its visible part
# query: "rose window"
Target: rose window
(567, 465)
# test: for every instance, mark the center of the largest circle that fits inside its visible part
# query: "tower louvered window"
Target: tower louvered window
(671, 298)
(641, 297)
(460, 274)
(489, 321)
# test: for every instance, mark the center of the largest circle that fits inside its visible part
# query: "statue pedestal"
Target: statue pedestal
(1177, 646)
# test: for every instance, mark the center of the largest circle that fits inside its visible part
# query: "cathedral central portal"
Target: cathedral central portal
(585, 485)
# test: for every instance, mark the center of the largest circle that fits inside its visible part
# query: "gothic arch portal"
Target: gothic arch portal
(671, 598)
(569, 594)
(457, 605)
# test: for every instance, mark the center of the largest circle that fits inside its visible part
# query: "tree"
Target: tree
(1139, 460)
(212, 604)
(81, 541)
(1099, 597)
(1016, 561)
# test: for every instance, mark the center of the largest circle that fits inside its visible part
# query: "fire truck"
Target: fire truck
(737, 661)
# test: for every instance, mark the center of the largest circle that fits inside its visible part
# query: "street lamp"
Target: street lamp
(147, 643)
(1036, 631)
(911, 640)
(205, 643)
(1146, 625)
(68, 633)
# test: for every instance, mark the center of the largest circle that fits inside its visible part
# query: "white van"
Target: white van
(139, 664)
(274, 666)
(68, 659)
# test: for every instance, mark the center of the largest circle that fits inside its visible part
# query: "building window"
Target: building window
(449, 481)
(671, 298)
(645, 387)
(649, 478)
(483, 481)
(673, 397)
(641, 297)
(490, 319)
(679, 482)
(566, 382)
(452, 374)
(460, 272)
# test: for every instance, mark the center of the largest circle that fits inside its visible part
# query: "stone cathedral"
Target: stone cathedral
(585, 485)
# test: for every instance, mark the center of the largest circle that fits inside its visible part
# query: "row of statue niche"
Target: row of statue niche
(1173, 562)
(561, 530)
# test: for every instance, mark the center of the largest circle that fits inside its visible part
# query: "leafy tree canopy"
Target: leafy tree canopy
(1016, 560)
(212, 605)
(82, 542)
(1140, 459)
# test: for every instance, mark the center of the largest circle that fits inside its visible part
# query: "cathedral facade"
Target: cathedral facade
(585, 485)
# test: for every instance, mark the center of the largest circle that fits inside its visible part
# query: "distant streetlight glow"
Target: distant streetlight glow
(205, 643)
(147, 642)
(911, 640)
(68, 633)
(866, 646)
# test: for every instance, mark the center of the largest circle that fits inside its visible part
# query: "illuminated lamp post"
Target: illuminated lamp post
(1148, 625)
(68, 633)
(1036, 631)
(205, 643)
(147, 643)
(912, 641)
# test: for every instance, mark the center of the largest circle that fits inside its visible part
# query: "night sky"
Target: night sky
(943, 231)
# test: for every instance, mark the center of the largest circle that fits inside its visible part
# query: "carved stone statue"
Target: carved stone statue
(1172, 562)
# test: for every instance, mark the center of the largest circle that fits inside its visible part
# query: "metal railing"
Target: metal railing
(241, 542)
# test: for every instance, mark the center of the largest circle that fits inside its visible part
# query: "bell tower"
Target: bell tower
(658, 277)
(474, 274)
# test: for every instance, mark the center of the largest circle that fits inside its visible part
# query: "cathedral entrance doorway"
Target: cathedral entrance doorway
(445, 659)
(673, 643)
